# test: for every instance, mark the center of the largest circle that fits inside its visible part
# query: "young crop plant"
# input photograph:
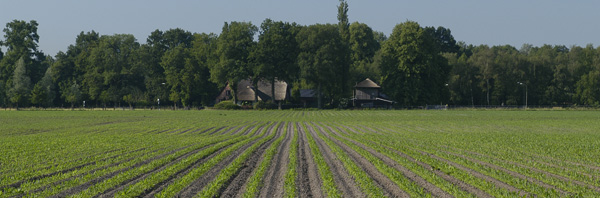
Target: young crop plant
(154, 179)
(132, 173)
(183, 182)
(256, 180)
(401, 180)
(212, 189)
(82, 175)
(290, 175)
(329, 186)
(365, 182)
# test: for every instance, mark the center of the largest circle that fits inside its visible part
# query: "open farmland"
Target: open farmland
(299, 153)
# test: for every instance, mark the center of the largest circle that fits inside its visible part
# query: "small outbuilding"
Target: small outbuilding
(367, 94)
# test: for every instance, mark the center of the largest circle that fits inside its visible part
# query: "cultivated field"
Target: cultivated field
(299, 153)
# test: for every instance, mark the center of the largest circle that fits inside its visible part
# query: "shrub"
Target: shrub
(228, 104)
(265, 105)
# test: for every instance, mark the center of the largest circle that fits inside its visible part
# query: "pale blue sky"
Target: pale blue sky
(514, 22)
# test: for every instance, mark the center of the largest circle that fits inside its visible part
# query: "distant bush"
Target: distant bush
(228, 104)
(265, 105)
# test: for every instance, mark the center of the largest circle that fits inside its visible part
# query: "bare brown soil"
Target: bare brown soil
(342, 179)
(275, 175)
(308, 181)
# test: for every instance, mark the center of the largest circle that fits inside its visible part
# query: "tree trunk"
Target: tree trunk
(72, 106)
(273, 91)
(487, 87)
(233, 88)
(319, 96)
(255, 90)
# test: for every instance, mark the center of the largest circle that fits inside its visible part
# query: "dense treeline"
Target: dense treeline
(415, 66)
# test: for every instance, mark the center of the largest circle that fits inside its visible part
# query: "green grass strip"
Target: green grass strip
(177, 186)
(290, 176)
(364, 181)
(212, 189)
(256, 180)
(328, 185)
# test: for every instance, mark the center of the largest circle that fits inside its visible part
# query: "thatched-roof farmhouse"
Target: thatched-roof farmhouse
(246, 92)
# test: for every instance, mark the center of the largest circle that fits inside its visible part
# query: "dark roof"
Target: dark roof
(307, 93)
(367, 83)
(245, 92)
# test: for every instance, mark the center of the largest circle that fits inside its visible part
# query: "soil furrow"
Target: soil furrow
(249, 129)
(111, 192)
(343, 180)
(17, 184)
(202, 131)
(382, 181)
(560, 177)
(238, 181)
(462, 185)
(230, 130)
(275, 176)
(65, 162)
(179, 131)
(163, 131)
(195, 187)
(512, 173)
(160, 186)
(429, 187)
(194, 131)
(497, 183)
(216, 131)
(81, 174)
(99, 179)
(308, 181)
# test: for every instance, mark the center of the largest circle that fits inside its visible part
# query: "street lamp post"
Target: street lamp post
(520, 83)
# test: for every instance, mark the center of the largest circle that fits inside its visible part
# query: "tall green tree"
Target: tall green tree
(344, 53)
(234, 45)
(71, 92)
(587, 92)
(443, 39)
(204, 54)
(20, 91)
(44, 93)
(483, 58)
(462, 82)
(276, 52)
(21, 41)
(363, 46)
(414, 72)
(320, 62)
(110, 74)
